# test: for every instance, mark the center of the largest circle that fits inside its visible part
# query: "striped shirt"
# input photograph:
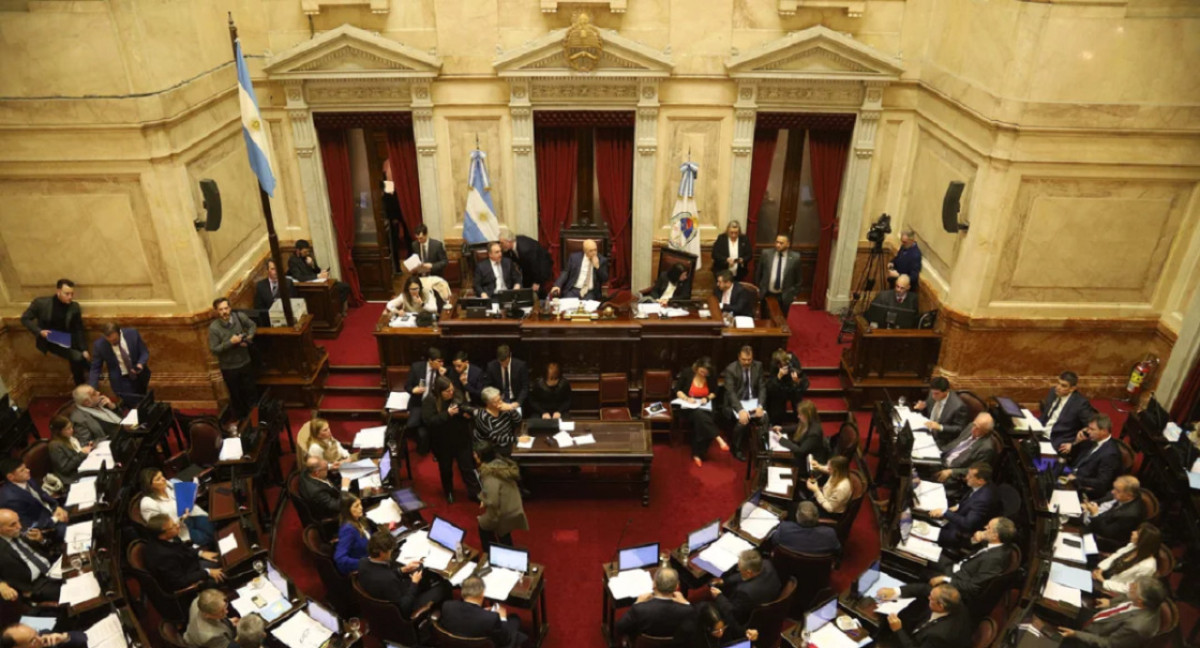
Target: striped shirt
(499, 430)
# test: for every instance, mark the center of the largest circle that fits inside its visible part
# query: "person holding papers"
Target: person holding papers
(353, 531)
(835, 494)
(807, 439)
(65, 452)
(732, 297)
(510, 375)
(756, 582)
(415, 298)
(126, 356)
(1136, 559)
(947, 626)
(430, 251)
(745, 396)
(1097, 459)
(971, 447)
(786, 383)
(57, 325)
(806, 535)
(973, 511)
(1065, 411)
(947, 413)
(550, 397)
(322, 497)
(697, 385)
(497, 422)
(23, 636)
(24, 495)
(1113, 517)
(500, 499)
(584, 276)
(731, 252)
(174, 564)
(24, 570)
(496, 273)
(672, 285)
(445, 414)
(323, 445)
(663, 612)
(95, 416)
(420, 378)
(158, 497)
(407, 587)
(1122, 622)
(469, 618)
(209, 625)
(468, 378)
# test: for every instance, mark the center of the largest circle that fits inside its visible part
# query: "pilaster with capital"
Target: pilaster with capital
(312, 176)
(745, 117)
(524, 164)
(426, 142)
(645, 135)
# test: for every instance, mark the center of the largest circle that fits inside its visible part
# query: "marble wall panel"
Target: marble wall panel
(702, 140)
(243, 231)
(934, 166)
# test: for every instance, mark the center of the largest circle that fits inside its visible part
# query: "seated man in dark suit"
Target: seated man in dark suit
(663, 612)
(1125, 621)
(266, 291)
(127, 358)
(468, 618)
(1113, 517)
(972, 575)
(731, 251)
(322, 497)
(430, 251)
(973, 446)
(508, 374)
(95, 417)
(23, 495)
(303, 267)
(24, 570)
(23, 636)
(173, 563)
(408, 588)
(947, 626)
(756, 582)
(585, 274)
(420, 380)
(806, 535)
(973, 511)
(732, 297)
(496, 273)
(468, 378)
(1065, 411)
(1097, 459)
(896, 308)
(947, 413)
(534, 262)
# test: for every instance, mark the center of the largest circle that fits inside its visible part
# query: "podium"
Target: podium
(293, 366)
(881, 362)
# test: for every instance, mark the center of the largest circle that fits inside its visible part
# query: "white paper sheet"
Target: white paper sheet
(463, 573)
(893, 607)
(759, 523)
(1031, 422)
(743, 322)
(1068, 576)
(498, 583)
(78, 537)
(1057, 592)
(386, 513)
(40, 623)
(260, 587)
(566, 426)
(914, 419)
(106, 633)
(56, 570)
(82, 588)
(131, 419)
(750, 404)
(526, 444)
(563, 440)
(931, 496)
(301, 631)
(415, 547)
(1046, 449)
(96, 460)
(922, 548)
(679, 312)
(1066, 502)
(830, 636)
(584, 439)
(227, 544)
(231, 449)
(397, 401)
(779, 479)
(412, 263)
(704, 405)
(885, 580)
(357, 469)
(723, 554)
(438, 557)
(1063, 551)
(371, 437)
(402, 321)
(1089, 544)
(370, 481)
(649, 308)
(82, 494)
(774, 444)
(631, 583)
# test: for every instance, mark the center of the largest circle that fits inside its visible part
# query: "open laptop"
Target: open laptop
(704, 536)
(746, 508)
(445, 534)
(509, 558)
(324, 616)
(822, 614)
(1010, 407)
(406, 498)
(385, 466)
(867, 579)
(638, 557)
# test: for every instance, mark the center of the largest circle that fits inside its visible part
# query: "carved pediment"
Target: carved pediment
(618, 56)
(350, 52)
(814, 53)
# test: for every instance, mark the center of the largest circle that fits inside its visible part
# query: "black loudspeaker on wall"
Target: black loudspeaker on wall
(950, 206)
(212, 206)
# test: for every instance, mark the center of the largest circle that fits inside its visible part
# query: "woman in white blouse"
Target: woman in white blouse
(413, 299)
(158, 496)
(835, 494)
(1131, 562)
(324, 446)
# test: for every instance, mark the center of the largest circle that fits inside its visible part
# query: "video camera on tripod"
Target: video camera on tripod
(880, 229)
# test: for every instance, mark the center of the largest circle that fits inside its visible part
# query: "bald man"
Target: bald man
(585, 274)
(896, 308)
(23, 636)
(24, 569)
(971, 447)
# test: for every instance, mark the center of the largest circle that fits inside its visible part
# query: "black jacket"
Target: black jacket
(683, 290)
(323, 498)
(299, 269)
(475, 382)
(739, 598)
(974, 574)
(720, 255)
(974, 511)
(37, 317)
(735, 386)
(812, 442)
(1076, 412)
(416, 373)
(683, 382)
(544, 399)
(485, 279)
(469, 620)
(385, 582)
(437, 255)
(1095, 471)
(659, 618)
(174, 564)
(263, 297)
(519, 375)
(815, 540)
(533, 261)
(951, 631)
(741, 302)
(789, 282)
(13, 569)
(1118, 522)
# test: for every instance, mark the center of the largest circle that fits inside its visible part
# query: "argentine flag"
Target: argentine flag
(479, 218)
(253, 127)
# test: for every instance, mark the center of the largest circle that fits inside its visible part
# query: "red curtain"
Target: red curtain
(555, 151)
(402, 159)
(760, 173)
(614, 175)
(827, 150)
(1188, 398)
(335, 156)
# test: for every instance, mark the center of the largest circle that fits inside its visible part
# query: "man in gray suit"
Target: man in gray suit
(1125, 621)
(95, 417)
(208, 621)
(778, 274)
(971, 447)
(430, 251)
(744, 381)
(947, 413)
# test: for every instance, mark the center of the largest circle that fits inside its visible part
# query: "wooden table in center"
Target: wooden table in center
(618, 444)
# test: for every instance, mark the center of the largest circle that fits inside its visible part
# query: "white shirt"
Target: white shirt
(117, 348)
(725, 296)
(1057, 406)
(669, 292)
(584, 282)
(149, 507)
(937, 409)
(733, 252)
(498, 270)
(1120, 581)
(775, 269)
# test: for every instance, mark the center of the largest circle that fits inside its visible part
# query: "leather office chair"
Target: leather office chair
(170, 634)
(444, 639)
(385, 619)
(453, 273)
(1166, 563)
(811, 572)
(303, 440)
(984, 634)
(768, 618)
(1168, 627)
(975, 404)
(753, 289)
(1127, 456)
(656, 388)
(338, 589)
(203, 451)
(135, 513)
(1010, 500)
(1150, 505)
(614, 397)
(172, 606)
(37, 458)
(847, 438)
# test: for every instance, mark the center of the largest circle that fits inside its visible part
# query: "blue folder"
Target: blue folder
(185, 497)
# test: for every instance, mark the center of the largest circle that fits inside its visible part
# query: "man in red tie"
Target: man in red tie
(1124, 622)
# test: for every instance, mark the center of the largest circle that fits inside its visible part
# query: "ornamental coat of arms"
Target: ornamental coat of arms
(582, 45)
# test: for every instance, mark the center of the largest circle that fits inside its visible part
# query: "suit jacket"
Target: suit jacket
(659, 618)
(206, 633)
(417, 372)
(13, 569)
(812, 442)
(720, 255)
(570, 275)
(476, 381)
(980, 450)
(485, 279)
(262, 293)
(735, 386)
(908, 262)
(974, 511)
(816, 540)
(741, 597)
(1118, 522)
(385, 582)
(905, 310)
(174, 564)
(299, 269)
(1095, 471)
(951, 631)
(741, 302)
(322, 497)
(88, 428)
(683, 290)
(975, 573)
(436, 257)
(791, 274)
(65, 460)
(955, 416)
(469, 620)
(26, 504)
(350, 548)
(1125, 630)
(518, 374)
(103, 354)
(1076, 412)
(37, 317)
(533, 260)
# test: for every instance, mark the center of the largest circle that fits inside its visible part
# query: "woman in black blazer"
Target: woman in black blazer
(673, 284)
(550, 396)
(444, 413)
(807, 438)
(698, 384)
(65, 452)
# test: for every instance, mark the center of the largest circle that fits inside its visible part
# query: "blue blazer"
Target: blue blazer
(27, 506)
(908, 262)
(974, 511)
(570, 275)
(1076, 412)
(351, 547)
(1095, 471)
(102, 353)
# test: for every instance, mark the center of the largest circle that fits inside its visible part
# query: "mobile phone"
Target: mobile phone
(258, 601)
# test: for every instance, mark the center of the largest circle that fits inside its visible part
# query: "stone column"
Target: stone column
(422, 116)
(745, 116)
(524, 164)
(312, 177)
(854, 195)
(645, 135)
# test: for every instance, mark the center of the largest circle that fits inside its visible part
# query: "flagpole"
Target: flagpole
(285, 291)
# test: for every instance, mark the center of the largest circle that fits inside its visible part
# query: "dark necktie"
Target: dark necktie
(125, 356)
(746, 381)
(1053, 408)
(778, 272)
(33, 557)
(424, 252)
(274, 289)
(507, 385)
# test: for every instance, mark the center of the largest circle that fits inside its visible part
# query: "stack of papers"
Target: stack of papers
(780, 479)
(566, 426)
(1068, 595)
(774, 444)
(107, 633)
(893, 607)
(925, 447)
(274, 604)
(78, 537)
(583, 439)
(631, 583)
(704, 405)
(759, 524)
(131, 419)
(371, 437)
(1068, 576)
(498, 583)
(387, 513)
(743, 322)
(412, 263)
(227, 544)
(82, 494)
(1066, 502)
(571, 305)
(101, 455)
(417, 546)
(1073, 547)
(649, 308)
(358, 469)
(231, 449)
(930, 496)
(563, 440)
(723, 554)
(403, 321)
(921, 548)
(397, 401)
(80, 589)
(676, 312)
(914, 419)
(302, 631)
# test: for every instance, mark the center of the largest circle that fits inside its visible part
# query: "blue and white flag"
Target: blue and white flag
(479, 218)
(253, 128)
(685, 226)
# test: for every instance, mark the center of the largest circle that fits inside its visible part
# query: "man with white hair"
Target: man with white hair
(585, 274)
(95, 417)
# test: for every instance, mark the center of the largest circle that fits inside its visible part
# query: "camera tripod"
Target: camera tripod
(874, 274)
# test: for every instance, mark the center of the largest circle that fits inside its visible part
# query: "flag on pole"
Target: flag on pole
(252, 126)
(479, 218)
(685, 228)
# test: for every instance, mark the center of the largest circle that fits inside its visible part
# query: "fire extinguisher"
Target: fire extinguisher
(1141, 374)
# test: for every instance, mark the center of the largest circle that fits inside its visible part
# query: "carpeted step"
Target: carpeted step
(821, 383)
(830, 403)
(821, 371)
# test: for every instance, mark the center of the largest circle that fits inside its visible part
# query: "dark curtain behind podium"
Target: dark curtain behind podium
(760, 175)
(614, 175)
(827, 150)
(335, 157)
(556, 152)
(402, 158)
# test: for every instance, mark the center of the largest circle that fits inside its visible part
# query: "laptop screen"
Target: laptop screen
(1010, 407)
(385, 466)
(323, 616)
(638, 557)
(868, 578)
(820, 616)
(744, 643)
(509, 558)
(445, 534)
(704, 536)
(277, 579)
(407, 499)
(749, 505)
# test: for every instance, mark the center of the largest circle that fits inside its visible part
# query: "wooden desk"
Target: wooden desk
(530, 594)
(609, 605)
(244, 551)
(887, 360)
(618, 444)
(324, 304)
(294, 367)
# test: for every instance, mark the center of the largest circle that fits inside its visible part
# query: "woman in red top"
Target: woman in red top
(698, 384)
